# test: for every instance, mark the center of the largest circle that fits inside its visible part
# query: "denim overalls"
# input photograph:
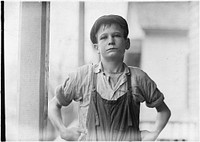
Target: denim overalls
(113, 120)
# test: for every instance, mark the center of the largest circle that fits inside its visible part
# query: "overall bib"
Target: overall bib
(113, 120)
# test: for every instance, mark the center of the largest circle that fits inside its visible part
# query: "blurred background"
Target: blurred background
(164, 43)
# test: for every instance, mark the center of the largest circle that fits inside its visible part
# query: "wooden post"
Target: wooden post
(81, 33)
(34, 69)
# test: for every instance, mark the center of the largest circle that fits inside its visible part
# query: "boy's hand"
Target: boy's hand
(71, 134)
(148, 136)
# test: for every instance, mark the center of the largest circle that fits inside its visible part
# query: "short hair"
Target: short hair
(108, 19)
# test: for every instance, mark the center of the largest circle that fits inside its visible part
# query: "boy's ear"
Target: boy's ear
(96, 47)
(127, 44)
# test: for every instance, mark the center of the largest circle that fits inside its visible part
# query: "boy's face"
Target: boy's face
(111, 43)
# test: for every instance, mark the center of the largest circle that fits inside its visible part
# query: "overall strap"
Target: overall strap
(94, 97)
(128, 75)
(94, 81)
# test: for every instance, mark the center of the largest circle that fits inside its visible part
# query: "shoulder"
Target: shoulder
(136, 71)
(82, 70)
(82, 73)
(85, 68)
(139, 75)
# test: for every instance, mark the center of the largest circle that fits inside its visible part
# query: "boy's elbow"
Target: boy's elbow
(169, 113)
(167, 109)
(164, 108)
(53, 104)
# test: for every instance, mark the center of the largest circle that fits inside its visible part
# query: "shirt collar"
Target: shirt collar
(126, 69)
(99, 68)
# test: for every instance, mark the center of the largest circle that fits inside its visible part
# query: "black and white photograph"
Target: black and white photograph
(100, 70)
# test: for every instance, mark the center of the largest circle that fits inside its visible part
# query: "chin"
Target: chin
(115, 57)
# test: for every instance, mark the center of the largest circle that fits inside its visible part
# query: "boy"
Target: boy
(110, 92)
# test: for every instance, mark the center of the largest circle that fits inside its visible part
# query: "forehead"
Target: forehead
(113, 27)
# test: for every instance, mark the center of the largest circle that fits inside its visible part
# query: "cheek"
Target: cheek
(122, 45)
(101, 46)
(101, 50)
(102, 43)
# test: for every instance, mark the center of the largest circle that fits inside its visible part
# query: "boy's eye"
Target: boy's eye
(117, 35)
(103, 37)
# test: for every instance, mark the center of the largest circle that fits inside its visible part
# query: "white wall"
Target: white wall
(11, 67)
(164, 58)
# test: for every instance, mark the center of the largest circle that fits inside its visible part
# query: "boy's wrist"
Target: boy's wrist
(149, 135)
(156, 132)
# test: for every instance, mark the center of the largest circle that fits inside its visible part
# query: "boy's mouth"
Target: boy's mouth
(111, 49)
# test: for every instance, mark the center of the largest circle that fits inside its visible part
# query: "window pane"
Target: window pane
(64, 26)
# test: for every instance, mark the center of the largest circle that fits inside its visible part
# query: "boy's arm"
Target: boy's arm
(163, 115)
(54, 112)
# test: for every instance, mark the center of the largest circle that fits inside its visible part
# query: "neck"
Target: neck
(112, 66)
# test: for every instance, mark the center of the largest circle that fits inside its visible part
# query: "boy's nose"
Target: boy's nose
(111, 40)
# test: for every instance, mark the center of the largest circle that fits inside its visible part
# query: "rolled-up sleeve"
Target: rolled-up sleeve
(152, 95)
(61, 97)
(76, 85)
(155, 99)
(70, 89)
(64, 94)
